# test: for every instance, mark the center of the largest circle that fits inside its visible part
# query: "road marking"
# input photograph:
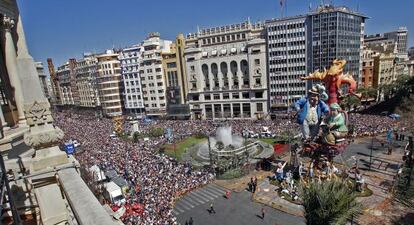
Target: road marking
(179, 209)
(202, 195)
(216, 191)
(207, 193)
(199, 197)
(195, 199)
(209, 196)
(218, 187)
(175, 212)
(187, 203)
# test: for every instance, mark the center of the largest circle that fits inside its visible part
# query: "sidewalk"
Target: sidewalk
(241, 184)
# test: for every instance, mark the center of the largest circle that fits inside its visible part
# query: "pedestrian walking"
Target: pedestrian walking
(263, 213)
(191, 221)
(212, 208)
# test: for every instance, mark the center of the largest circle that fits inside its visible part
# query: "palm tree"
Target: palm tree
(329, 203)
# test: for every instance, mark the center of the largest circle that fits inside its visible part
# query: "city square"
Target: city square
(139, 113)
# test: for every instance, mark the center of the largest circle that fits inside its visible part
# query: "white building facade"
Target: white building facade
(109, 83)
(152, 75)
(43, 79)
(65, 88)
(86, 72)
(286, 59)
(226, 69)
(130, 59)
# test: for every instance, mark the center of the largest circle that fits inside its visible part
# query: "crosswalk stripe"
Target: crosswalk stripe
(215, 191)
(209, 197)
(198, 195)
(206, 192)
(187, 203)
(177, 207)
(215, 186)
(175, 212)
(195, 199)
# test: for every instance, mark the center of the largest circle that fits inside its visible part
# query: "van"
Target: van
(113, 193)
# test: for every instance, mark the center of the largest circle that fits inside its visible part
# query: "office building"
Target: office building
(336, 33)
(173, 63)
(86, 73)
(226, 70)
(130, 59)
(287, 59)
(109, 83)
(152, 75)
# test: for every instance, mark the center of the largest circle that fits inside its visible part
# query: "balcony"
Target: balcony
(225, 88)
(235, 87)
(245, 86)
(216, 88)
(206, 89)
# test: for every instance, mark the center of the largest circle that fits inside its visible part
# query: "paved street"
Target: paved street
(239, 209)
(362, 151)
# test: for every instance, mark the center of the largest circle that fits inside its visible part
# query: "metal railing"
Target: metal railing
(6, 194)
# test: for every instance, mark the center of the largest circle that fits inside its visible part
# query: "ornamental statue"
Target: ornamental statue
(333, 79)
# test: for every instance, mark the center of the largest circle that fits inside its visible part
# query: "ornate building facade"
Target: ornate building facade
(226, 72)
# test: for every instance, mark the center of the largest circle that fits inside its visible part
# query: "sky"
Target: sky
(63, 29)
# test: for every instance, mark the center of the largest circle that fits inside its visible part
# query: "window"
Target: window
(259, 107)
(207, 97)
(171, 65)
(216, 96)
(226, 96)
(258, 95)
(257, 62)
(235, 96)
(245, 95)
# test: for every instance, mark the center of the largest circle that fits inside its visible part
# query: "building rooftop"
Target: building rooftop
(246, 25)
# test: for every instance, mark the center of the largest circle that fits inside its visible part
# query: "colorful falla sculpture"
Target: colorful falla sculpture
(333, 79)
(334, 127)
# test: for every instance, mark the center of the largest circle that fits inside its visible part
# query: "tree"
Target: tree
(136, 136)
(349, 102)
(156, 132)
(404, 192)
(329, 203)
(367, 93)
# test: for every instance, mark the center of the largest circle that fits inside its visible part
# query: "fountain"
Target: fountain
(226, 147)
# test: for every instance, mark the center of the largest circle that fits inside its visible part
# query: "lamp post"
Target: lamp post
(370, 155)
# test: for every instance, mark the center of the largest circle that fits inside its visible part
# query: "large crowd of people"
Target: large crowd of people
(157, 179)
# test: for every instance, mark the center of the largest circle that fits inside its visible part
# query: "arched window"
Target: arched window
(214, 69)
(233, 68)
(223, 68)
(204, 68)
(244, 67)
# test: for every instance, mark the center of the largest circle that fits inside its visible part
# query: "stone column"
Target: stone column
(3, 121)
(12, 70)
